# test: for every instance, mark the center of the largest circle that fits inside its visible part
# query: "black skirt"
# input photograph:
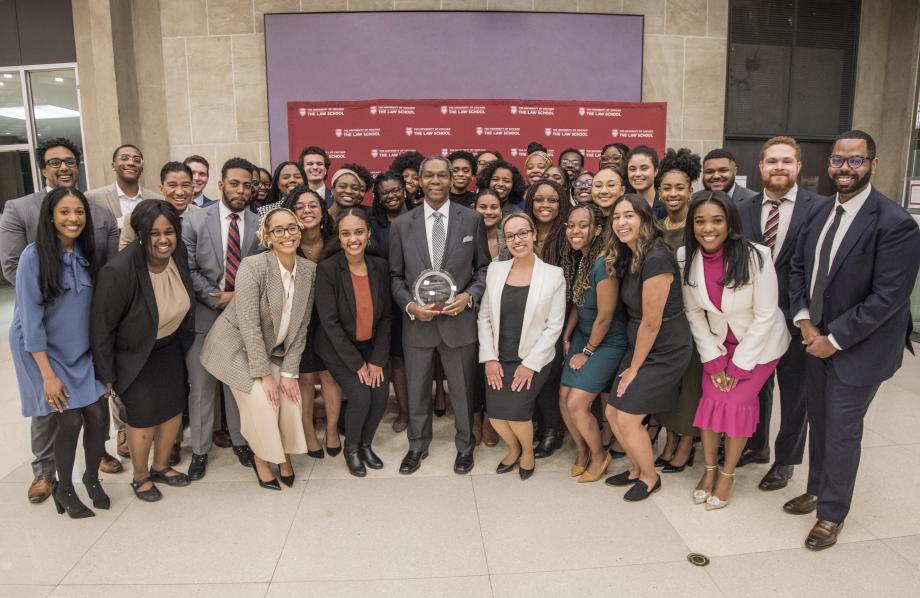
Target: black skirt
(160, 391)
(310, 361)
(510, 405)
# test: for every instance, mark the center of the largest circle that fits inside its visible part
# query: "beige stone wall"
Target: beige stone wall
(214, 65)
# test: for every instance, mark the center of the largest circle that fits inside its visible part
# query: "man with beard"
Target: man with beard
(719, 170)
(572, 162)
(775, 218)
(851, 277)
(463, 170)
(217, 238)
(126, 192)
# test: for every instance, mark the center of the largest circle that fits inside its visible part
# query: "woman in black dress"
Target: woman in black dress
(658, 333)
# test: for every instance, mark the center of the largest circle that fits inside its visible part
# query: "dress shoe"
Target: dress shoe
(620, 479)
(823, 534)
(463, 463)
(670, 468)
(41, 487)
(489, 435)
(272, 484)
(177, 480)
(369, 457)
(96, 493)
(175, 456)
(801, 505)
(549, 444)
(198, 467)
(525, 473)
(661, 462)
(748, 456)
(121, 444)
(701, 496)
(65, 499)
(151, 494)
(110, 464)
(477, 428)
(778, 477)
(412, 461)
(587, 476)
(506, 467)
(400, 425)
(333, 450)
(577, 469)
(714, 502)
(354, 463)
(221, 438)
(640, 491)
(244, 454)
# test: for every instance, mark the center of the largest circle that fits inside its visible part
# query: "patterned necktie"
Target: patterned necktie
(816, 308)
(234, 255)
(772, 226)
(438, 240)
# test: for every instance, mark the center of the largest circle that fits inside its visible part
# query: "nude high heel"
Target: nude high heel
(701, 496)
(714, 502)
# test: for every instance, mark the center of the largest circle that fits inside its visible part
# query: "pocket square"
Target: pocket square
(467, 238)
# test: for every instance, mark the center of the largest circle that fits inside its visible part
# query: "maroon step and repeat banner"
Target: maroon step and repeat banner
(373, 132)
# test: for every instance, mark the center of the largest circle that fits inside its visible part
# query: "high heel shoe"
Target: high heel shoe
(333, 450)
(714, 502)
(577, 469)
(700, 496)
(287, 480)
(317, 454)
(587, 476)
(526, 473)
(662, 462)
(65, 499)
(506, 467)
(96, 493)
(269, 485)
(670, 468)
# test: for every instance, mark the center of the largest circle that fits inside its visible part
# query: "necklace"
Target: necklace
(669, 226)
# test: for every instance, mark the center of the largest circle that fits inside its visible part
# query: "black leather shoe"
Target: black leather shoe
(65, 499)
(198, 467)
(463, 463)
(369, 457)
(244, 454)
(549, 444)
(525, 473)
(333, 451)
(354, 463)
(287, 480)
(412, 461)
(221, 438)
(505, 467)
(748, 456)
(778, 477)
(178, 479)
(317, 454)
(272, 484)
(96, 493)
(671, 468)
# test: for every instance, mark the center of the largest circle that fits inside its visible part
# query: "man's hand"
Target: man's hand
(820, 347)
(457, 306)
(423, 313)
(809, 331)
(223, 298)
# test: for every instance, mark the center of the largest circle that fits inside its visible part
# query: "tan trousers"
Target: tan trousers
(272, 432)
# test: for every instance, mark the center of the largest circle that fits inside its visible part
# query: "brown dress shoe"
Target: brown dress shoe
(221, 438)
(122, 444)
(40, 488)
(801, 505)
(110, 464)
(823, 534)
(489, 435)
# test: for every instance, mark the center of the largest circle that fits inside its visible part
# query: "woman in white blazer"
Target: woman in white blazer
(520, 319)
(731, 299)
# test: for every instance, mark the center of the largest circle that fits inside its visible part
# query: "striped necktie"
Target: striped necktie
(234, 255)
(438, 240)
(772, 226)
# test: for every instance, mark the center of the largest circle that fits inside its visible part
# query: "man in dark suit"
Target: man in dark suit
(851, 277)
(315, 163)
(719, 170)
(201, 174)
(442, 235)
(59, 162)
(217, 238)
(775, 218)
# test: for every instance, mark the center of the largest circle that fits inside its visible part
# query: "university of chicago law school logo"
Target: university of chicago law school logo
(373, 109)
(302, 112)
(444, 152)
(338, 132)
(581, 111)
(514, 110)
(443, 109)
(514, 152)
(374, 153)
(479, 130)
(614, 132)
(409, 131)
(548, 132)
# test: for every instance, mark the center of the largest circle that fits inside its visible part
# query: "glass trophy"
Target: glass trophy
(434, 287)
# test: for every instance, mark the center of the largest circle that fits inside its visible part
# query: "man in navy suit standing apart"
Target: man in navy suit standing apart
(850, 283)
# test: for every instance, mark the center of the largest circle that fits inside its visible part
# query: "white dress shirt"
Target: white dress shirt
(785, 215)
(127, 203)
(429, 225)
(287, 280)
(225, 232)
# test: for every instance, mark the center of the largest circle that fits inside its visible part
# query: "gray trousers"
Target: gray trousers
(460, 371)
(43, 430)
(201, 402)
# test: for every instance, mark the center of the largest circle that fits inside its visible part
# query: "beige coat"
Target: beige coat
(108, 196)
(128, 235)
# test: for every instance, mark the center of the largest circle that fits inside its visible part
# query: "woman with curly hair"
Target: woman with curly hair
(506, 180)
(407, 166)
(287, 175)
(349, 185)
(594, 339)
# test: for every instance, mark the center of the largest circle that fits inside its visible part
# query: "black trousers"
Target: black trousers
(790, 440)
(547, 413)
(835, 415)
(364, 406)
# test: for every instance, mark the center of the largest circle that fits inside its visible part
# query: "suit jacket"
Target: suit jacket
(128, 235)
(19, 227)
(241, 346)
(466, 257)
(335, 339)
(328, 197)
(867, 297)
(205, 201)
(544, 314)
(207, 254)
(124, 323)
(751, 311)
(751, 209)
(740, 193)
(108, 196)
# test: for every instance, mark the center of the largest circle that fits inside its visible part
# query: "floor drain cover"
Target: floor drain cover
(700, 560)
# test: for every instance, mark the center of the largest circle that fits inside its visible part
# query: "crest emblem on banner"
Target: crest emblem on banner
(615, 132)
(581, 111)
(514, 110)
(514, 152)
(338, 132)
(444, 151)
(373, 109)
(548, 132)
(374, 153)
(409, 131)
(302, 112)
(479, 130)
(443, 109)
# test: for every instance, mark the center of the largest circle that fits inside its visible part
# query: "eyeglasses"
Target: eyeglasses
(299, 207)
(128, 158)
(57, 162)
(396, 191)
(585, 184)
(570, 163)
(521, 235)
(852, 161)
(291, 229)
(547, 200)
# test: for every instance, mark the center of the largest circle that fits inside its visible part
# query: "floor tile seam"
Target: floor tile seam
(482, 538)
(903, 558)
(287, 534)
(597, 568)
(373, 579)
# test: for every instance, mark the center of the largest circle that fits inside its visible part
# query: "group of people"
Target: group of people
(675, 307)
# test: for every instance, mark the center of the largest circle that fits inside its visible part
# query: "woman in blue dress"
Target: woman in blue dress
(50, 343)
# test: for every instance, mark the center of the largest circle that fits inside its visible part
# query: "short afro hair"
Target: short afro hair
(682, 160)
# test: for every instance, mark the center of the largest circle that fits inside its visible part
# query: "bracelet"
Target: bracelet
(588, 346)
(587, 351)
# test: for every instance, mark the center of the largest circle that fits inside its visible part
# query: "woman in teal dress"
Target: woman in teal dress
(594, 340)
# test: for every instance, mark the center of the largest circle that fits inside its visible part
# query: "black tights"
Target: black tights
(93, 419)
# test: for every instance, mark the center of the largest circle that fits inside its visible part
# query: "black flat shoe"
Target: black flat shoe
(640, 491)
(660, 462)
(505, 467)
(269, 485)
(412, 461)
(96, 493)
(669, 468)
(354, 463)
(65, 499)
(317, 454)
(333, 450)
(152, 494)
(620, 479)
(180, 479)
(525, 473)
(369, 457)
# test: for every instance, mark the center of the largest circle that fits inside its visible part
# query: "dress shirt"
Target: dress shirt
(850, 210)
(199, 200)
(785, 216)
(444, 210)
(225, 232)
(287, 280)
(127, 203)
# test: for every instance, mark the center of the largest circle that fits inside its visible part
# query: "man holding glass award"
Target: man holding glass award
(438, 261)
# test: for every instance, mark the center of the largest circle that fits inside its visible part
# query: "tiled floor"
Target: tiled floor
(439, 534)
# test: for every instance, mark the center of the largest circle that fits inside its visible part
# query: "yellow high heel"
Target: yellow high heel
(577, 469)
(590, 477)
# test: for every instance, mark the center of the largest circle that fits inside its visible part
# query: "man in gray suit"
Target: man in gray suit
(126, 192)
(217, 238)
(446, 236)
(59, 161)
(719, 170)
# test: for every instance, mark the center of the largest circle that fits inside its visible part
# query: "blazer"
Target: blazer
(544, 314)
(205, 201)
(867, 297)
(241, 346)
(740, 193)
(335, 338)
(751, 311)
(751, 210)
(124, 321)
(128, 235)
(466, 257)
(19, 227)
(207, 254)
(108, 197)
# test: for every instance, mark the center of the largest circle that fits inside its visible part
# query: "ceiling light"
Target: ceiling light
(7, 75)
(42, 112)
(59, 79)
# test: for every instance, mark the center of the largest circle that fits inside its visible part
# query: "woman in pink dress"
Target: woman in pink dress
(731, 299)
